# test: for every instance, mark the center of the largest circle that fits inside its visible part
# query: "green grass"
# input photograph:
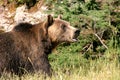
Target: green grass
(69, 64)
(97, 70)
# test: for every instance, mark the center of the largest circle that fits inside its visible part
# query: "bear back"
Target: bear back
(23, 27)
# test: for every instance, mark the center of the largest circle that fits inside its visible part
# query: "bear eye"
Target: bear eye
(63, 27)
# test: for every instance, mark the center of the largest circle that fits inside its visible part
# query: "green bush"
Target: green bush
(87, 16)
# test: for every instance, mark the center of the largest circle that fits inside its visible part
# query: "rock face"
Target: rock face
(21, 14)
(26, 47)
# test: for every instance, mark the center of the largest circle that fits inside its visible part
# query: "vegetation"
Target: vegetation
(96, 56)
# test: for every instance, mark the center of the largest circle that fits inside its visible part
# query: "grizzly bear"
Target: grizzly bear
(25, 49)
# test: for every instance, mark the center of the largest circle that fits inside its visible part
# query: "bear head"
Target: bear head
(61, 31)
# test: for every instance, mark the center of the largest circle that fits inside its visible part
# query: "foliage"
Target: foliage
(29, 3)
(93, 18)
(98, 17)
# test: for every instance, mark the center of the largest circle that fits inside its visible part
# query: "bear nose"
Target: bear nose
(77, 31)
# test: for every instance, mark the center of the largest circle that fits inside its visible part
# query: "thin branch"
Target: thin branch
(87, 47)
(100, 40)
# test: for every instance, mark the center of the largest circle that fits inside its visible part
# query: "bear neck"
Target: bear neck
(54, 45)
(47, 43)
(49, 46)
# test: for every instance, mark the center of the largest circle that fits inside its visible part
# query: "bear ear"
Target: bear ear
(59, 16)
(49, 20)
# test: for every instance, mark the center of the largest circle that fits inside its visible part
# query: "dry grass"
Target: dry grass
(100, 71)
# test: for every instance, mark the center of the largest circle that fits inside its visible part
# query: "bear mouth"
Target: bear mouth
(75, 37)
(74, 40)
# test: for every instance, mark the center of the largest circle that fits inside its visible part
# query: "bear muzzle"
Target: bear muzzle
(76, 34)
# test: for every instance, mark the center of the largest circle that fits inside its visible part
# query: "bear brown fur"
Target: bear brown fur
(25, 49)
(2, 30)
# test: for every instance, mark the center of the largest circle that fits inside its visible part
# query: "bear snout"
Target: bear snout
(76, 34)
